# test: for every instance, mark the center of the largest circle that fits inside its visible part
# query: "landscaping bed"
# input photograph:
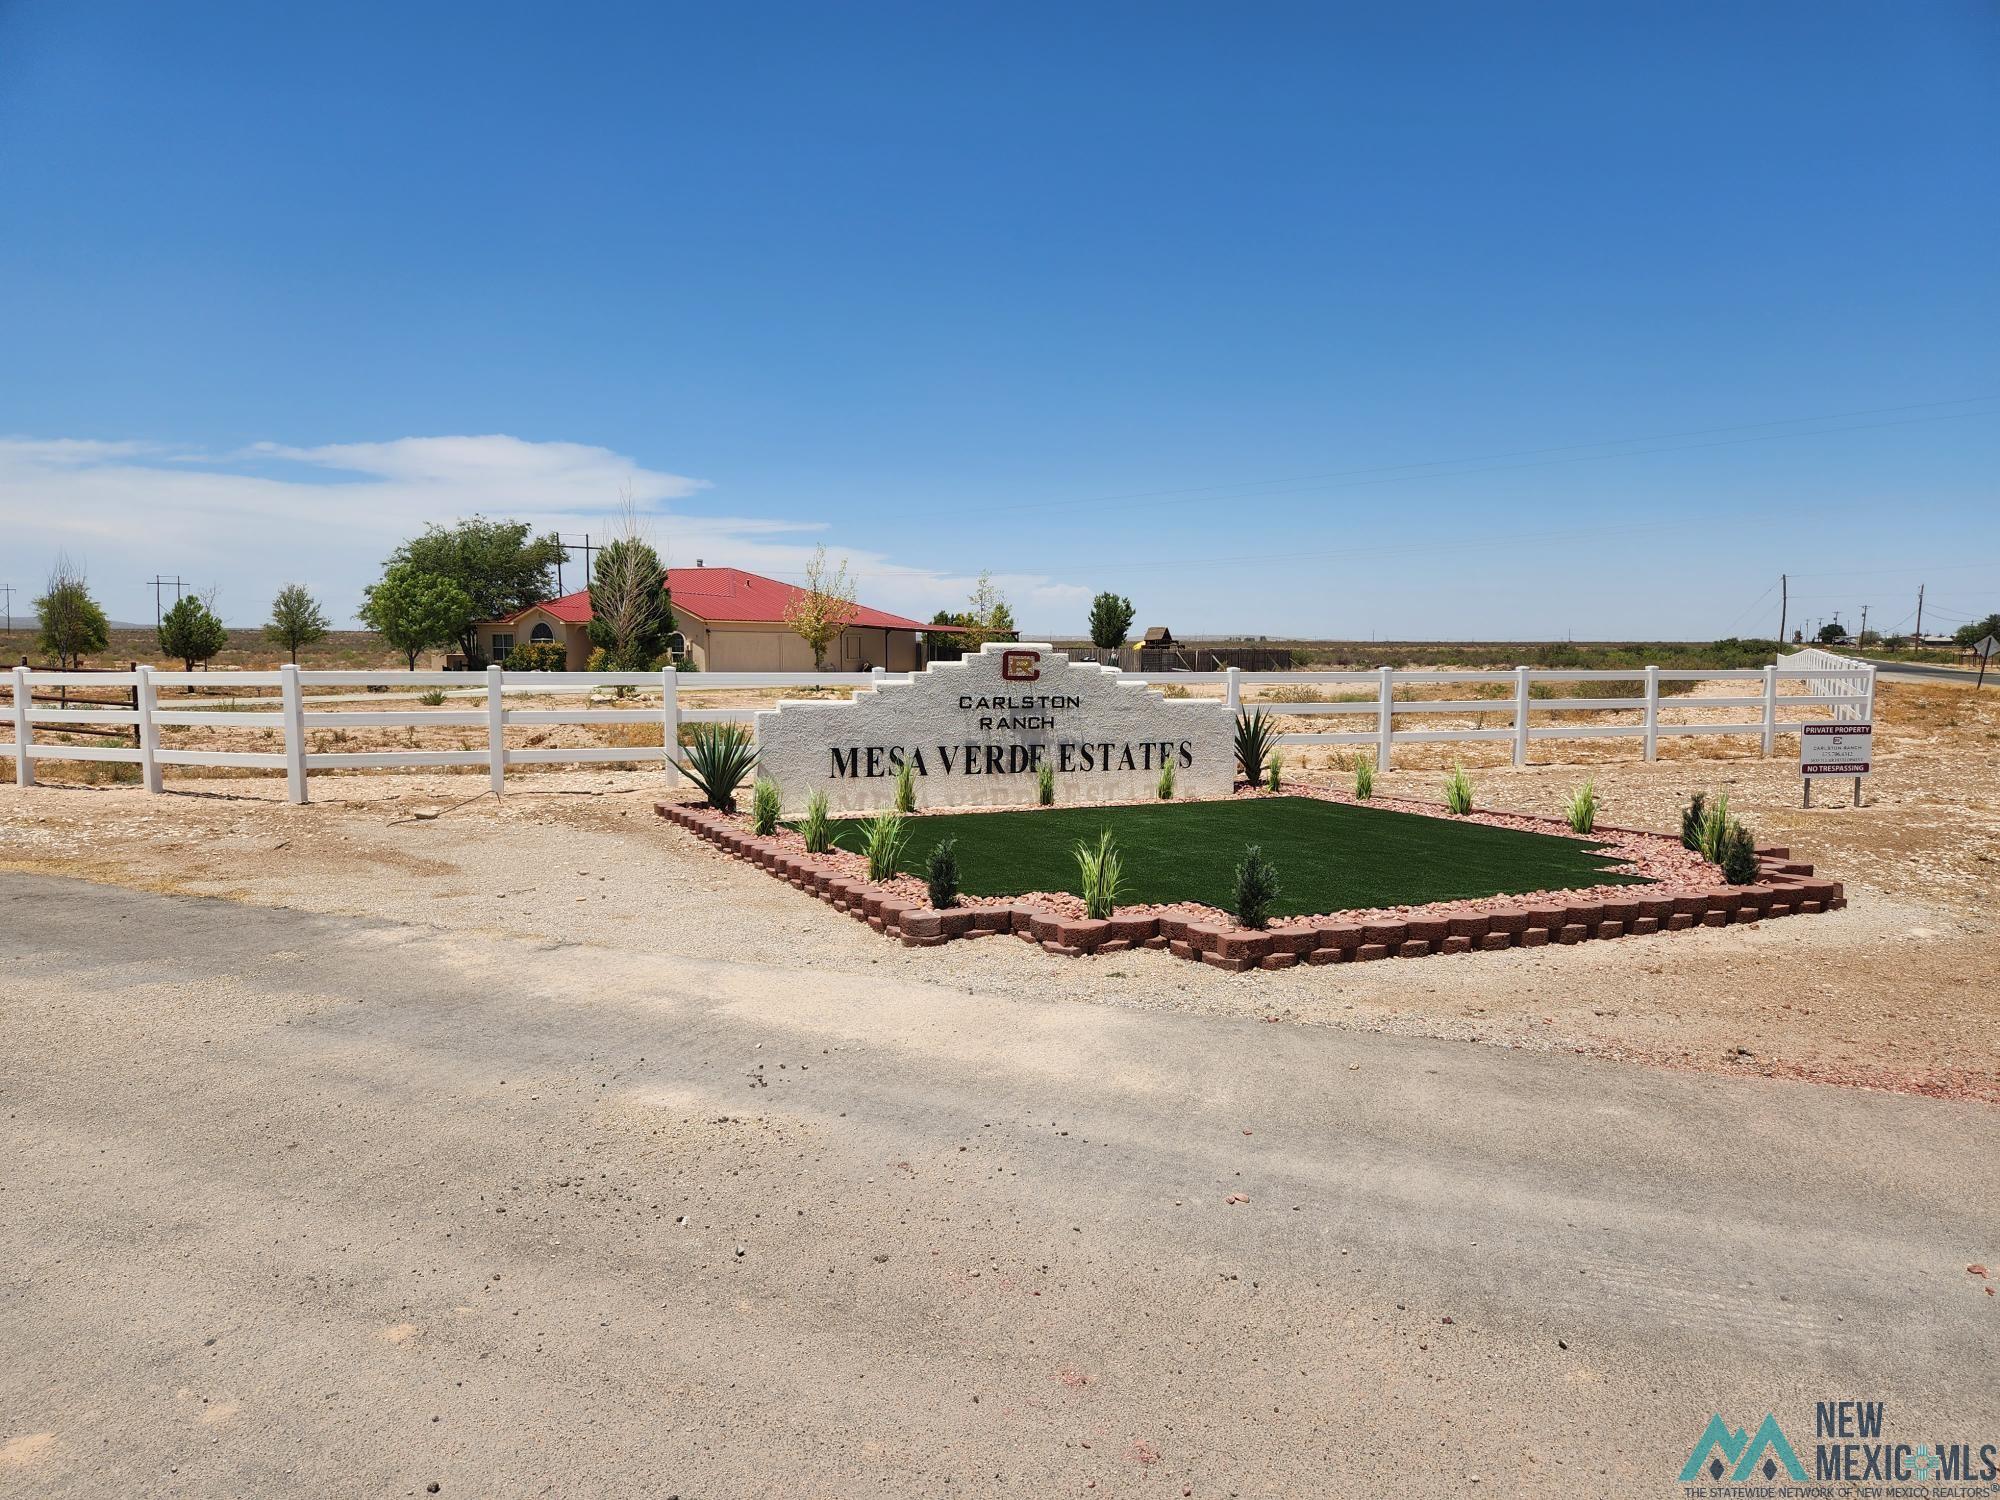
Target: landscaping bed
(1357, 882)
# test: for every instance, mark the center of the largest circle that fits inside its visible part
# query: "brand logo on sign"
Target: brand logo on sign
(1021, 666)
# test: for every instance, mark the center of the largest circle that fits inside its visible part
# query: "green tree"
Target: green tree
(1830, 632)
(819, 612)
(988, 614)
(499, 565)
(1977, 631)
(191, 631)
(296, 619)
(72, 624)
(631, 613)
(1110, 621)
(952, 645)
(415, 610)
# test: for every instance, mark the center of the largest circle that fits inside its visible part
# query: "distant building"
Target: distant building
(725, 620)
(1158, 638)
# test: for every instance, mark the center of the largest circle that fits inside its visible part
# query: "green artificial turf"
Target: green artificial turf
(1330, 856)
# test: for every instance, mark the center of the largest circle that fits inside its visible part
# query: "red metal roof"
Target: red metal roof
(726, 595)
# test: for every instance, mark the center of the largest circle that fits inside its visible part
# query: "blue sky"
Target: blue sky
(1318, 319)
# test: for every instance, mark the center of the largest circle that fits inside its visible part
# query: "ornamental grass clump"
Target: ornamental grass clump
(1256, 734)
(1045, 785)
(816, 828)
(1580, 807)
(1166, 787)
(1101, 873)
(764, 807)
(1364, 778)
(1712, 838)
(882, 839)
(1256, 887)
(906, 788)
(719, 756)
(1274, 773)
(1709, 830)
(1458, 791)
(941, 874)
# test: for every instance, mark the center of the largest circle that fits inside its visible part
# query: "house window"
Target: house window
(850, 645)
(502, 643)
(541, 632)
(677, 643)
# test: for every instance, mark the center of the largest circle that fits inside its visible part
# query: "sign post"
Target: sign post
(1835, 750)
(1985, 648)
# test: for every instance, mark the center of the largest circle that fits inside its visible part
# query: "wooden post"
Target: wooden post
(670, 721)
(1770, 709)
(1521, 716)
(1385, 717)
(1652, 713)
(496, 730)
(147, 698)
(292, 705)
(24, 733)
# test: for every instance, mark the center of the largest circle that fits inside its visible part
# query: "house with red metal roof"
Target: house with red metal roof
(725, 620)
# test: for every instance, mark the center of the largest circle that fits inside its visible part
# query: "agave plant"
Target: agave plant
(1580, 807)
(1256, 736)
(1458, 790)
(882, 840)
(764, 801)
(816, 827)
(718, 757)
(1101, 873)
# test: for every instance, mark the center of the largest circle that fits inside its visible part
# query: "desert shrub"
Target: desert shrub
(764, 807)
(1101, 874)
(1739, 855)
(1255, 732)
(1691, 820)
(816, 828)
(1580, 807)
(1713, 836)
(540, 656)
(941, 874)
(432, 698)
(1256, 887)
(1364, 777)
(718, 757)
(906, 788)
(1166, 788)
(1458, 790)
(1175, 690)
(1045, 785)
(1275, 770)
(882, 839)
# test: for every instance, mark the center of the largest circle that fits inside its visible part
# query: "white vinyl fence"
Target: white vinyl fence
(1846, 688)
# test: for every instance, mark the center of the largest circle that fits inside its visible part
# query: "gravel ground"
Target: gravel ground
(1897, 992)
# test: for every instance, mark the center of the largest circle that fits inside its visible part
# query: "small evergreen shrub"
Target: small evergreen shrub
(1255, 732)
(1045, 785)
(1364, 777)
(1580, 807)
(1256, 887)
(816, 828)
(906, 788)
(941, 874)
(1101, 874)
(1739, 855)
(882, 839)
(1275, 771)
(1691, 820)
(1458, 791)
(764, 807)
(718, 757)
(1167, 782)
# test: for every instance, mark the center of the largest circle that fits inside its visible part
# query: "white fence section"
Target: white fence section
(1844, 687)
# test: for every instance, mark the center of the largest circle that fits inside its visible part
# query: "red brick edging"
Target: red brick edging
(1782, 889)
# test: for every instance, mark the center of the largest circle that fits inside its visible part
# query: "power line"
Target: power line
(160, 583)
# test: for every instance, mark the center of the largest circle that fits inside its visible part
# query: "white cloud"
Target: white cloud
(326, 515)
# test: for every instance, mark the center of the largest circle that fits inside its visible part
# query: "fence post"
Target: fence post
(24, 733)
(1770, 708)
(292, 705)
(670, 721)
(876, 674)
(146, 697)
(1520, 716)
(496, 731)
(1385, 717)
(1652, 713)
(1232, 688)
(1868, 705)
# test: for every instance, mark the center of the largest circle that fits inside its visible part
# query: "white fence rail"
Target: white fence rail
(1844, 687)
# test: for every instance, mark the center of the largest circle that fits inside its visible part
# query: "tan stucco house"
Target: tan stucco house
(726, 620)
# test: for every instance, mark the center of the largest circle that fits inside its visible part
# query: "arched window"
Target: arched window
(541, 632)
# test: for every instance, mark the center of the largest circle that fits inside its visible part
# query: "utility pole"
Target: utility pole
(1784, 603)
(1862, 639)
(586, 549)
(8, 590)
(1918, 636)
(160, 583)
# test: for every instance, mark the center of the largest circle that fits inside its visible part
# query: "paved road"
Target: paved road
(310, 1205)
(1913, 671)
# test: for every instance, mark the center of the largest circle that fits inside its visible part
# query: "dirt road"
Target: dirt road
(309, 1204)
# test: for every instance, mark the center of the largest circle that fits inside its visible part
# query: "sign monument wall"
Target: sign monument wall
(976, 733)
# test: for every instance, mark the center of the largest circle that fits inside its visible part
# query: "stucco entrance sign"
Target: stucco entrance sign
(977, 732)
